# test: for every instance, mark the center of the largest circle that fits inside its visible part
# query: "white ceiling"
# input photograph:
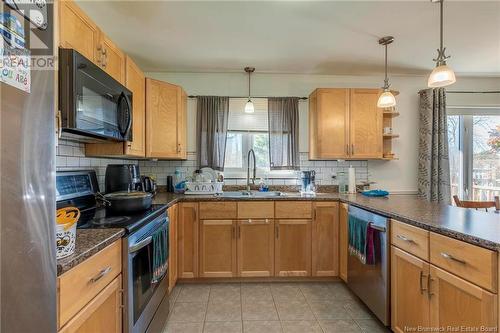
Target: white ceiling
(335, 37)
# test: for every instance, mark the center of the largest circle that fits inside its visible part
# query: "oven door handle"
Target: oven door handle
(139, 245)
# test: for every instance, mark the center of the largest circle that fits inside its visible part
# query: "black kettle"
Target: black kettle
(148, 184)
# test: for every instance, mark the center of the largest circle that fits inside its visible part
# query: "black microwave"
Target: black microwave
(93, 105)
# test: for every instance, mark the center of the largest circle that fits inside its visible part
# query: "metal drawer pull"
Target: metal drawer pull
(406, 239)
(422, 276)
(378, 228)
(100, 275)
(449, 256)
(267, 221)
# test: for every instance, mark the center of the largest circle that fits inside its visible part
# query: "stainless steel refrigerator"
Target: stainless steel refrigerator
(27, 174)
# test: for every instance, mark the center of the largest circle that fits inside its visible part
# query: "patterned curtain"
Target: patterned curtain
(211, 119)
(283, 113)
(433, 164)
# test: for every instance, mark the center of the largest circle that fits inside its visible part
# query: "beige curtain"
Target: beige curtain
(283, 113)
(211, 119)
(433, 162)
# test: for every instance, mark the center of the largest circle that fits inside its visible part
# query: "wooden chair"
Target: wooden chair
(478, 204)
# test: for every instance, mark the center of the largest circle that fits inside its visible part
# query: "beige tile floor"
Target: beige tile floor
(300, 307)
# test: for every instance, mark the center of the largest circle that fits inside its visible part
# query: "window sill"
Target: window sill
(268, 175)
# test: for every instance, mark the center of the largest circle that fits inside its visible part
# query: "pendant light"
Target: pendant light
(387, 99)
(249, 108)
(442, 75)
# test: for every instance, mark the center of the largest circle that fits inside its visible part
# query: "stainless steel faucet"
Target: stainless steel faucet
(251, 152)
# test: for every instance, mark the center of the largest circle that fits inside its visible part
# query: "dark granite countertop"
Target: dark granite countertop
(88, 243)
(475, 227)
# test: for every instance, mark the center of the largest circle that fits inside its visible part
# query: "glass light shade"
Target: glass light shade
(441, 76)
(249, 108)
(386, 100)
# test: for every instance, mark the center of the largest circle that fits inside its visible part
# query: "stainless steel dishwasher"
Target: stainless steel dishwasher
(371, 283)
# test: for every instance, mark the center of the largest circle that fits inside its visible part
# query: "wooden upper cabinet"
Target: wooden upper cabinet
(458, 303)
(343, 240)
(328, 123)
(255, 247)
(292, 247)
(325, 239)
(218, 248)
(135, 81)
(111, 58)
(410, 301)
(345, 123)
(77, 31)
(165, 120)
(365, 132)
(187, 237)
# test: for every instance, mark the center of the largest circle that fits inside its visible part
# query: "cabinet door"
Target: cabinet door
(329, 124)
(410, 301)
(325, 239)
(187, 237)
(113, 59)
(293, 247)
(217, 248)
(343, 240)
(103, 314)
(136, 82)
(162, 119)
(365, 124)
(255, 247)
(172, 247)
(77, 31)
(458, 303)
(182, 127)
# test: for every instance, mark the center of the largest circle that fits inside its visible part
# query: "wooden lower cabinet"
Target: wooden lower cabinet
(455, 302)
(172, 247)
(217, 248)
(343, 240)
(409, 298)
(325, 239)
(292, 249)
(187, 236)
(255, 247)
(103, 314)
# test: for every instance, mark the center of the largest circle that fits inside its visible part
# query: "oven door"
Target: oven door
(144, 295)
(93, 103)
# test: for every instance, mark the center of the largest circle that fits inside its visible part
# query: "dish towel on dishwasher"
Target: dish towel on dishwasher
(362, 240)
(160, 251)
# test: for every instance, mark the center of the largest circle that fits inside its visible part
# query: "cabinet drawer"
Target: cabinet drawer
(293, 209)
(81, 284)
(217, 210)
(410, 239)
(256, 210)
(470, 262)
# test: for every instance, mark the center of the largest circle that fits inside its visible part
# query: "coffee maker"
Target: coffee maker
(308, 182)
(123, 177)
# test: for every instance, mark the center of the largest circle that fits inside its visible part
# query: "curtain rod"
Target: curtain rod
(473, 92)
(303, 98)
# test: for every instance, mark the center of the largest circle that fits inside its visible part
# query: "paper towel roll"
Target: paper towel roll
(352, 180)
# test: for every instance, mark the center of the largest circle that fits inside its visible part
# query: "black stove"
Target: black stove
(99, 218)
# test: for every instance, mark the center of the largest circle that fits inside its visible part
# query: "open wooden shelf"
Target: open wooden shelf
(390, 114)
(391, 136)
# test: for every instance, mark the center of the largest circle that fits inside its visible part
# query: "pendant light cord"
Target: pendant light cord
(386, 80)
(249, 86)
(441, 2)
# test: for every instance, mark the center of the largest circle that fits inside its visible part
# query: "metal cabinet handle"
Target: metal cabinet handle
(422, 276)
(378, 228)
(239, 231)
(277, 231)
(59, 124)
(249, 220)
(347, 149)
(429, 280)
(449, 256)
(100, 275)
(352, 149)
(406, 239)
(267, 221)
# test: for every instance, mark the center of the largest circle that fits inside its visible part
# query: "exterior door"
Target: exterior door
(458, 303)
(173, 247)
(136, 82)
(410, 301)
(329, 124)
(255, 247)
(187, 228)
(217, 248)
(365, 124)
(343, 243)
(325, 239)
(292, 247)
